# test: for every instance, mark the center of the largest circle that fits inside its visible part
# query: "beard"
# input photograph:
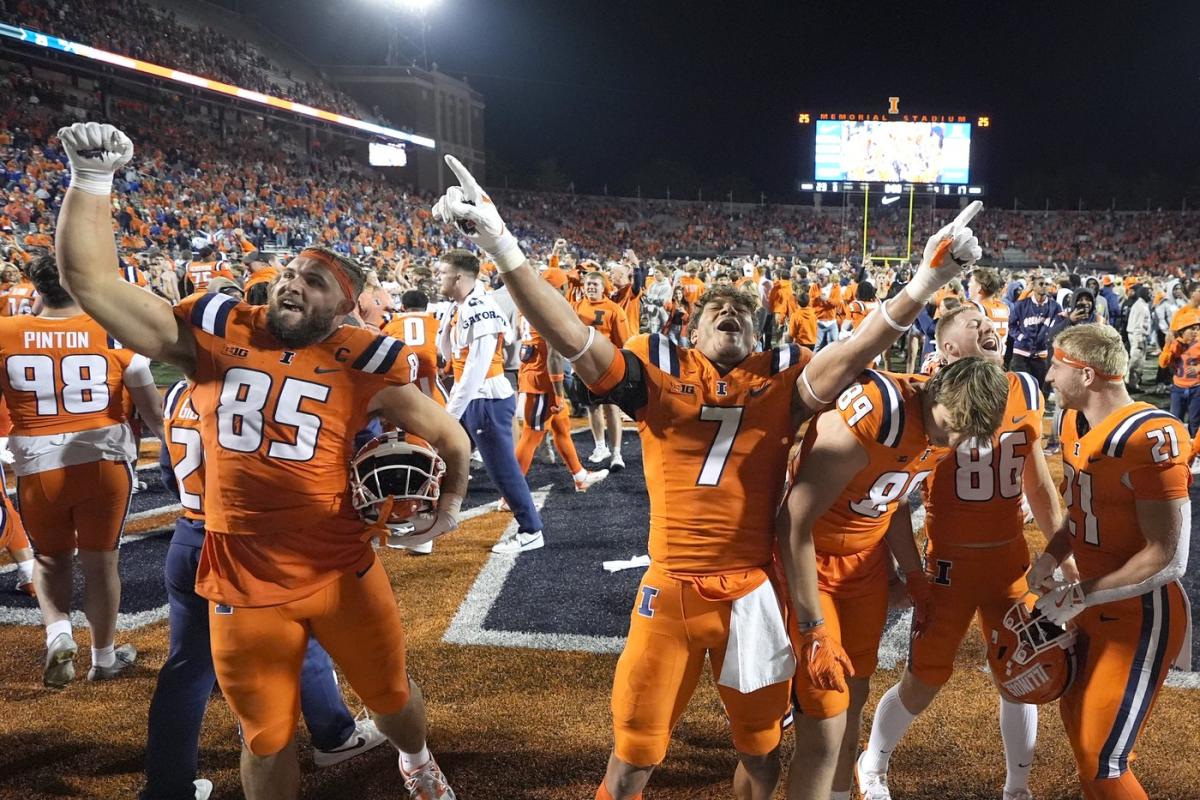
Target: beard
(311, 328)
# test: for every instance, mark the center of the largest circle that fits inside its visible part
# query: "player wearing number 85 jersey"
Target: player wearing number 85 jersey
(63, 377)
(857, 465)
(716, 421)
(1128, 525)
(281, 392)
(976, 557)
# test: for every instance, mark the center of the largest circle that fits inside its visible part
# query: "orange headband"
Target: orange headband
(1071, 362)
(339, 272)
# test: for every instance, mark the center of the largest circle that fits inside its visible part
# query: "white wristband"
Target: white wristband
(586, 347)
(508, 255)
(100, 184)
(896, 326)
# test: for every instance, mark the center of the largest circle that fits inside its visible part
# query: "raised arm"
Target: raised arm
(470, 209)
(946, 253)
(87, 252)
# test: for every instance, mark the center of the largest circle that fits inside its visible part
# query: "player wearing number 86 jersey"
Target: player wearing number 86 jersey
(1128, 524)
(857, 465)
(63, 377)
(976, 556)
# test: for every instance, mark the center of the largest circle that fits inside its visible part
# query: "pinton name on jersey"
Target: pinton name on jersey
(71, 340)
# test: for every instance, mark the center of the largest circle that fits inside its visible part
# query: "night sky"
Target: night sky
(1088, 100)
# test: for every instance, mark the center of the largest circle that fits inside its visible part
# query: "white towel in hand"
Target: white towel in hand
(759, 652)
(631, 563)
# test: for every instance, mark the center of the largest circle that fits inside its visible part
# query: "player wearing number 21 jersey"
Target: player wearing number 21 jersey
(857, 464)
(976, 557)
(63, 377)
(1128, 524)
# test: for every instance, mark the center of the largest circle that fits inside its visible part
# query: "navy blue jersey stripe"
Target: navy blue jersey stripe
(368, 354)
(1129, 697)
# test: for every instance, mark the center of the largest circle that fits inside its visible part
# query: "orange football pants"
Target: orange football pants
(83, 505)
(1126, 649)
(258, 652)
(536, 412)
(854, 603)
(675, 622)
(966, 580)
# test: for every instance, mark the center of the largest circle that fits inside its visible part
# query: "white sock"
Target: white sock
(25, 571)
(55, 628)
(891, 721)
(1018, 729)
(104, 656)
(580, 475)
(411, 762)
(839, 795)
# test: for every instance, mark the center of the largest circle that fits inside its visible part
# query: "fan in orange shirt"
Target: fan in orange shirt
(281, 392)
(261, 270)
(692, 285)
(1128, 525)
(802, 324)
(856, 467)
(63, 380)
(607, 318)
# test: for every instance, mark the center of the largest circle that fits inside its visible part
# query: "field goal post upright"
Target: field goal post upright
(867, 258)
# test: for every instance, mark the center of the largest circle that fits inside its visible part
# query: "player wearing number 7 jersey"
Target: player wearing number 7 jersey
(1128, 525)
(716, 421)
(281, 392)
(976, 557)
(63, 378)
(857, 465)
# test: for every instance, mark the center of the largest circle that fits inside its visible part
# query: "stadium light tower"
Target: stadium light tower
(404, 40)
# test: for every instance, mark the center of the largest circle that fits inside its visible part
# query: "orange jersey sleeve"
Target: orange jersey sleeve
(1138, 446)
(61, 374)
(974, 494)
(883, 413)
(185, 448)
(280, 419)
(714, 446)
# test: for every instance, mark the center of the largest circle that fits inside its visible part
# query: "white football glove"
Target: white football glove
(955, 241)
(428, 526)
(469, 208)
(96, 152)
(1063, 603)
(1040, 577)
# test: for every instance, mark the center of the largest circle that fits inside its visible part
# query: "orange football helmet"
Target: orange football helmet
(394, 477)
(1032, 659)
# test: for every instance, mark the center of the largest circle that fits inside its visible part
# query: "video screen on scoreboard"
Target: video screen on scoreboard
(908, 152)
(386, 155)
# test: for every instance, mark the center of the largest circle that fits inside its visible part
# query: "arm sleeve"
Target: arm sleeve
(623, 384)
(479, 358)
(639, 279)
(138, 372)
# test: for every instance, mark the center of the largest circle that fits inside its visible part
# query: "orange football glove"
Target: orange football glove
(920, 593)
(825, 660)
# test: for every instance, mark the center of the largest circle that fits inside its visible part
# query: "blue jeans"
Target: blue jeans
(826, 334)
(1185, 404)
(187, 679)
(489, 423)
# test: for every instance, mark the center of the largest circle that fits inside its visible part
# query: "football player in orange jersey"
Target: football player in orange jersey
(1128, 524)
(203, 269)
(544, 403)
(281, 393)
(856, 466)
(976, 557)
(984, 290)
(63, 379)
(716, 421)
(17, 294)
(597, 311)
(418, 329)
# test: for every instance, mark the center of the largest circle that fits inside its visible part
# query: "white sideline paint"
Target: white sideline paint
(467, 625)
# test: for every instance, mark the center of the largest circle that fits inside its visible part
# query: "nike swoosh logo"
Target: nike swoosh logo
(759, 390)
(326, 370)
(1024, 766)
(1104, 618)
(365, 569)
(1016, 420)
(1094, 459)
(887, 201)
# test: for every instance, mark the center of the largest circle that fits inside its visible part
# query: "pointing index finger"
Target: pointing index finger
(465, 178)
(964, 217)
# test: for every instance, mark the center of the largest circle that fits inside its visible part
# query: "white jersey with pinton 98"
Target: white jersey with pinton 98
(63, 380)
